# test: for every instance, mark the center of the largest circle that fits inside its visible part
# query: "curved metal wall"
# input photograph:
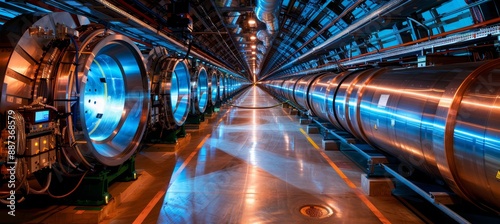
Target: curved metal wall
(442, 120)
(170, 88)
(301, 89)
(214, 87)
(107, 105)
(200, 90)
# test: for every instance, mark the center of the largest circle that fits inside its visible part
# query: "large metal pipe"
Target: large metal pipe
(97, 79)
(113, 101)
(199, 90)
(288, 88)
(170, 88)
(214, 87)
(301, 89)
(442, 120)
(222, 86)
(265, 11)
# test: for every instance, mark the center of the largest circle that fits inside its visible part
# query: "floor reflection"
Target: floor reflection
(258, 168)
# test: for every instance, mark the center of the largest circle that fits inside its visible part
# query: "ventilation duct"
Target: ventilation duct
(232, 17)
(261, 48)
(260, 56)
(266, 12)
(263, 36)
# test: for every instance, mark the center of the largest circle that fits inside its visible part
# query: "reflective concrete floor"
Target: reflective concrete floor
(245, 166)
(257, 166)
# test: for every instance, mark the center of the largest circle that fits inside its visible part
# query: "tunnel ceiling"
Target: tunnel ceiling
(288, 36)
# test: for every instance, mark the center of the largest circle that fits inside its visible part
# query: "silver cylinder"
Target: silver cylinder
(214, 87)
(98, 79)
(318, 95)
(288, 87)
(301, 89)
(170, 89)
(113, 102)
(442, 120)
(199, 90)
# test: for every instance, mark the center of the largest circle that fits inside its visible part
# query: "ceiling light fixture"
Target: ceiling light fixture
(253, 37)
(251, 22)
(253, 46)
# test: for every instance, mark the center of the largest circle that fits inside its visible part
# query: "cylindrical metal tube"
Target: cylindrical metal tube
(318, 97)
(439, 119)
(288, 88)
(97, 78)
(113, 102)
(442, 120)
(222, 87)
(214, 87)
(300, 91)
(200, 90)
(170, 88)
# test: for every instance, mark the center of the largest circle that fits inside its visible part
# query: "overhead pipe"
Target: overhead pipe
(263, 36)
(240, 58)
(387, 8)
(232, 16)
(265, 11)
(261, 48)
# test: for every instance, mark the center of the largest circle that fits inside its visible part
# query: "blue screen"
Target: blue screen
(41, 116)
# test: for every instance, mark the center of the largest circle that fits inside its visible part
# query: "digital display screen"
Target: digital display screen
(42, 116)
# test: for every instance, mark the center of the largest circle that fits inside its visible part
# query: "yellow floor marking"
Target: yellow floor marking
(349, 183)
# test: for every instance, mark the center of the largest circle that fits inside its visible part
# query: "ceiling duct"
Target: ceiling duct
(238, 30)
(261, 48)
(260, 56)
(232, 17)
(263, 36)
(266, 12)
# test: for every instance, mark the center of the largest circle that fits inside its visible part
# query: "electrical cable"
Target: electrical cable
(70, 192)
(257, 108)
(44, 189)
(188, 50)
(77, 51)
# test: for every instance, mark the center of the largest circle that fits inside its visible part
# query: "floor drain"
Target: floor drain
(316, 211)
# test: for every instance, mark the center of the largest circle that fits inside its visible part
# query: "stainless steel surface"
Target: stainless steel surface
(113, 91)
(170, 88)
(301, 89)
(19, 59)
(214, 86)
(318, 95)
(331, 90)
(438, 119)
(108, 110)
(200, 90)
(288, 87)
(266, 11)
(223, 86)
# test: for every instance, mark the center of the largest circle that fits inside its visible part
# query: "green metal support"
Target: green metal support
(195, 118)
(93, 190)
(165, 136)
